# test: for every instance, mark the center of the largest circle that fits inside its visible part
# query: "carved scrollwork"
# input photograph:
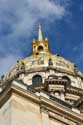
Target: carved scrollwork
(21, 66)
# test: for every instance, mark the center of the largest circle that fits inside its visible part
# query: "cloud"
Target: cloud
(17, 20)
(20, 15)
(7, 62)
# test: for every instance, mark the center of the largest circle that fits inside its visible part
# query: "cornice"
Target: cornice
(79, 101)
(5, 95)
(52, 106)
(74, 90)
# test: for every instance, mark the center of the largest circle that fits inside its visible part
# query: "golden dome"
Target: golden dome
(42, 58)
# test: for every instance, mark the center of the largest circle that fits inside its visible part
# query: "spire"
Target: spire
(40, 37)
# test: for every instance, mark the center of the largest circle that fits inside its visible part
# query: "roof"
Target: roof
(43, 58)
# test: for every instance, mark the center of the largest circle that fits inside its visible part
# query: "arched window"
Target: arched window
(36, 79)
(40, 48)
(67, 79)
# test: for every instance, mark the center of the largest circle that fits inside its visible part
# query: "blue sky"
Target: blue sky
(62, 23)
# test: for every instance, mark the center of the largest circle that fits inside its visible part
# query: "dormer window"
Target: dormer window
(36, 79)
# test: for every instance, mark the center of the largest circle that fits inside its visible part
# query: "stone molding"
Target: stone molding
(42, 101)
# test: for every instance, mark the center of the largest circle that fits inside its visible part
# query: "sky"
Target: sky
(62, 23)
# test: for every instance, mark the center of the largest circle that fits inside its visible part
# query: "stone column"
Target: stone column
(44, 116)
(43, 79)
(62, 96)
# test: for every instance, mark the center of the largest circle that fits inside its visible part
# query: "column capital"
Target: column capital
(44, 109)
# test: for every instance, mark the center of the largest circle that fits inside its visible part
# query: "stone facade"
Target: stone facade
(27, 108)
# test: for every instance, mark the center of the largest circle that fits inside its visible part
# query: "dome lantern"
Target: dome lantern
(41, 45)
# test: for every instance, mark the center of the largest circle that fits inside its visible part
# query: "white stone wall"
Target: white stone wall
(25, 112)
(75, 81)
(5, 113)
(21, 111)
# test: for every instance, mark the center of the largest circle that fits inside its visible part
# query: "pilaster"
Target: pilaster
(44, 116)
